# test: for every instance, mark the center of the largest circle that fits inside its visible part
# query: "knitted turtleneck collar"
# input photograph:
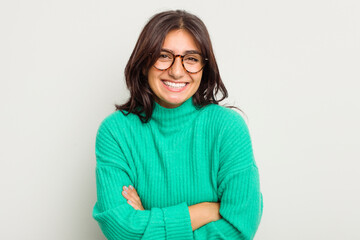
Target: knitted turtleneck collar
(174, 119)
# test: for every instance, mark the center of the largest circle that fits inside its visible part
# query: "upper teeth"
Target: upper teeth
(171, 84)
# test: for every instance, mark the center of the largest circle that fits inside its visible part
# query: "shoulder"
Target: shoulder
(225, 117)
(119, 120)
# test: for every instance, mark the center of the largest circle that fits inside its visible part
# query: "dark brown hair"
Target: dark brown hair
(146, 51)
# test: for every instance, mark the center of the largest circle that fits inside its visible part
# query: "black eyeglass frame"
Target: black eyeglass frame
(182, 62)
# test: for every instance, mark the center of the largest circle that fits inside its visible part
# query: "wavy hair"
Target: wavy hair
(144, 55)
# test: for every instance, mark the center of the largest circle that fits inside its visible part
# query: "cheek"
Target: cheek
(154, 80)
(151, 78)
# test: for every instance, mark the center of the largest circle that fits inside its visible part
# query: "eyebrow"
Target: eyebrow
(186, 52)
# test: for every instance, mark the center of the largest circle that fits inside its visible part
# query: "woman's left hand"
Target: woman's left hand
(133, 198)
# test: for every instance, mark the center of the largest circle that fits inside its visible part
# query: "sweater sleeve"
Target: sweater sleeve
(116, 218)
(241, 203)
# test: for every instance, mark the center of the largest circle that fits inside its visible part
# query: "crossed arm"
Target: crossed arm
(200, 214)
(238, 189)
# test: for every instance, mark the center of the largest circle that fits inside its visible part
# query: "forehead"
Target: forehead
(180, 41)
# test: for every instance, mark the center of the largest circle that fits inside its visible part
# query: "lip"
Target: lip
(173, 89)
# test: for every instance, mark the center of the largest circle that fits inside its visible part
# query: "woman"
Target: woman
(172, 163)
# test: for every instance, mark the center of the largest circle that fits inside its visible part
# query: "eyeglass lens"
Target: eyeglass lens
(192, 62)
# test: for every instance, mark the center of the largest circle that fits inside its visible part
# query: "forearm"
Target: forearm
(203, 213)
(241, 208)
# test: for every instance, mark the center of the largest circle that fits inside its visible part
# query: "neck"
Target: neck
(174, 119)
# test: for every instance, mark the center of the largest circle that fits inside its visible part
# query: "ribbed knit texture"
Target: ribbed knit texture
(182, 157)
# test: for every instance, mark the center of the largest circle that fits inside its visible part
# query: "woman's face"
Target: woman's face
(178, 42)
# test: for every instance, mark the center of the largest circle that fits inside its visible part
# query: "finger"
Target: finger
(130, 203)
(128, 187)
(133, 193)
(131, 188)
(130, 193)
(126, 195)
(134, 205)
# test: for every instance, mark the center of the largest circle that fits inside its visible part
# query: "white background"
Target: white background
(292, 66)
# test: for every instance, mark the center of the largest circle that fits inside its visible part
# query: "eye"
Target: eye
(165, 56)
(194, 58)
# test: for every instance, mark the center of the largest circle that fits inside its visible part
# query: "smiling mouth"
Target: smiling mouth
(175, 85)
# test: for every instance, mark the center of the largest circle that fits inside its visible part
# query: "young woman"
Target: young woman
(171, 162)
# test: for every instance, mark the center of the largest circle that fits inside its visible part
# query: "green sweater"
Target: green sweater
(181, 157)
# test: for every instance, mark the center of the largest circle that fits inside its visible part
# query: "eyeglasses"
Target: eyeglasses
(192, 62)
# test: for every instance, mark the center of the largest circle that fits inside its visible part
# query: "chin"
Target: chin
(172, 103)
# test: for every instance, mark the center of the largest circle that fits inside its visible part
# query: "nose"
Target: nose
(177, 70)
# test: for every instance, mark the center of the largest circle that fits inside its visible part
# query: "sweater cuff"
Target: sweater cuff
(177, 222)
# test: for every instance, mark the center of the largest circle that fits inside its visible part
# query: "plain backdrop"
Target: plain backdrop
(291, 66)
